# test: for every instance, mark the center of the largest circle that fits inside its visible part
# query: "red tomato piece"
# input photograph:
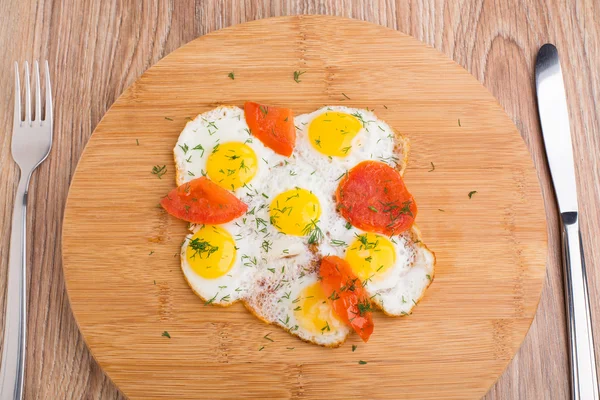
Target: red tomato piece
(202, 201)
(373, 197)
(274, 126)
(350, 300)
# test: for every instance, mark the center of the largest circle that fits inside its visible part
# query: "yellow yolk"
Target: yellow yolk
(295, 212)
(370, 255)
(331, 133)
(211, 252)
(314, 313)
(231, 165)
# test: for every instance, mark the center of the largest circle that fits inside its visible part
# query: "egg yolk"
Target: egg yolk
(232, 165)
(314, 312)
(211, 252)
(370, 255)
(331, 133)
(295, 212)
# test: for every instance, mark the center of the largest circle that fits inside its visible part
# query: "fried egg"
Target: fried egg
(212, 263)
(289, 294)
(218, 144)
(269, 257)
(395, 271)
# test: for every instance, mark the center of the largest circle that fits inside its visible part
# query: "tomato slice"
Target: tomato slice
(373, 197)
(274, 126)
(350, 300)
(202, 201)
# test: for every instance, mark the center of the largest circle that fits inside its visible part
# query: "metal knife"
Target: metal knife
(554, 118)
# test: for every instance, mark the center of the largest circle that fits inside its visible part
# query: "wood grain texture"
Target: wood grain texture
(111, 213)
(97, 49)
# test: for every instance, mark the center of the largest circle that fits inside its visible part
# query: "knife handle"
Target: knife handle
(584, 381)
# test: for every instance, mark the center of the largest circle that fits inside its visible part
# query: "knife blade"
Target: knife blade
(554, 120)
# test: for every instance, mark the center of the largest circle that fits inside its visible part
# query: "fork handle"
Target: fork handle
(12, 371)
(584, 381)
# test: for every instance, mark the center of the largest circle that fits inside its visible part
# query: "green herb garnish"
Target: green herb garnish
(342, 175)
(268, 338)
(202, 247)
(365, 244)
(314, 233)
(287, 320)
(266, 245)
(159, 170)
(297, 75)
(210, 301)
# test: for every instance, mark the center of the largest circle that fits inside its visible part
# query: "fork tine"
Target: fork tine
(38, 96)
(27, 95)
(48, 114)
(17, 117)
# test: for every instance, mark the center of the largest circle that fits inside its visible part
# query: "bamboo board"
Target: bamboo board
(119, 249)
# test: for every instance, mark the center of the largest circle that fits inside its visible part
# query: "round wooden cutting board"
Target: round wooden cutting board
(121, 251)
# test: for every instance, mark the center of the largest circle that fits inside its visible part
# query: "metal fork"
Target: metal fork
(31, 143)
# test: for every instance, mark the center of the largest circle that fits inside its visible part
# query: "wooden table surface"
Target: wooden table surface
(98, 48)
